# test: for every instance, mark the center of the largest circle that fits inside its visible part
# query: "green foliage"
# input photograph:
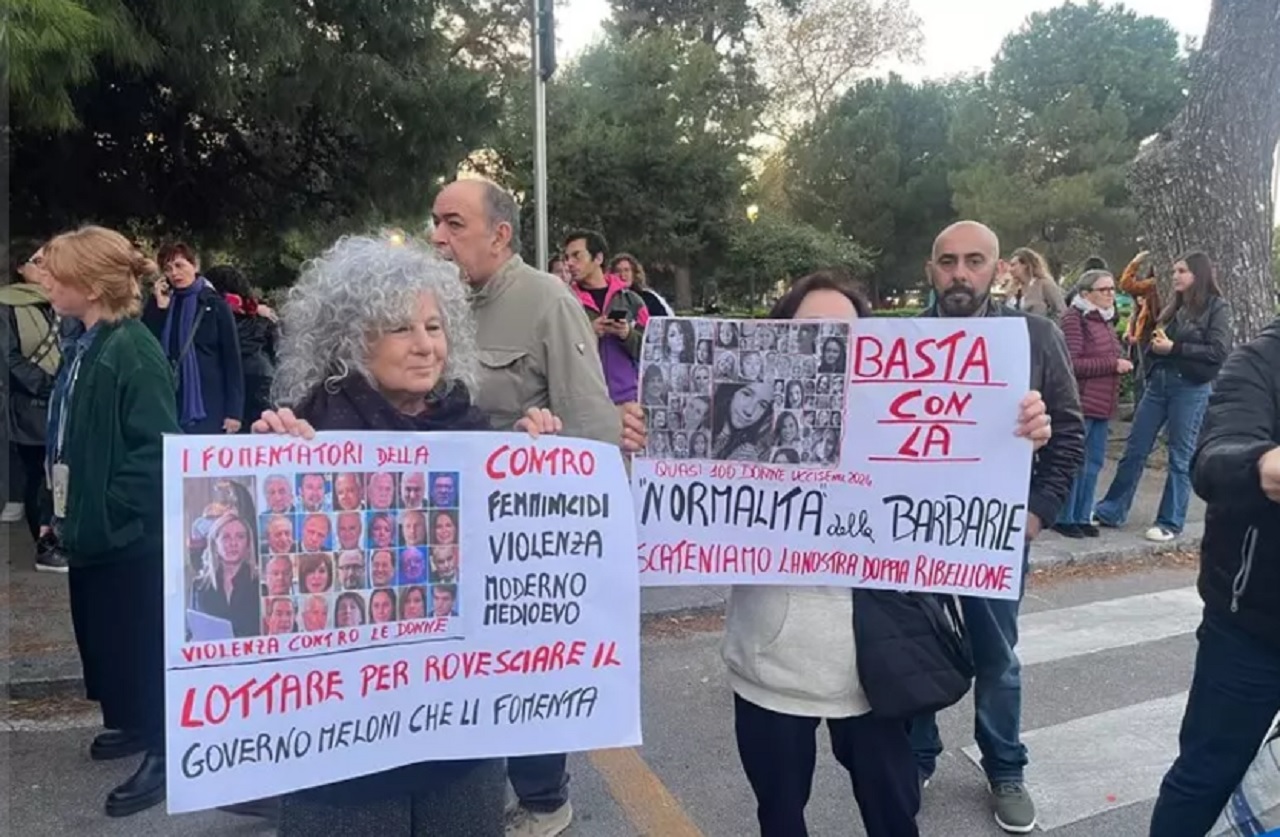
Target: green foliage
(266, 118)
(874, 168)
(648, 141)
(772, 250)
(1042, 145)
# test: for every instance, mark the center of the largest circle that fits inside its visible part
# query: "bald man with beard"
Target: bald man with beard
(964, 264)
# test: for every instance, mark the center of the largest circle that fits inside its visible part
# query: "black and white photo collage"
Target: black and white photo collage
(745, 390)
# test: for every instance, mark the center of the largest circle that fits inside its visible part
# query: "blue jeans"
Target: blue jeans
(1078, 510)
(1171, 399)
(1235, 695)
(997, 693)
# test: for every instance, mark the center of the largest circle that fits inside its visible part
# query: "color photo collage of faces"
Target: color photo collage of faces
(326, 551)
(742, 390)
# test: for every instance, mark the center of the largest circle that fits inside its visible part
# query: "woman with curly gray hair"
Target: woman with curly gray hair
(377, 335)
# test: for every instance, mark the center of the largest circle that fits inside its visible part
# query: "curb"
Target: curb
(1049, 554)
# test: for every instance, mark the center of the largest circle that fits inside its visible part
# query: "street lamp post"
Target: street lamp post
(753, 212)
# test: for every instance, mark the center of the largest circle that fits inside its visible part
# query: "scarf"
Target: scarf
(1084, 306)
(352, 404)
(183, 306)
(244, 306)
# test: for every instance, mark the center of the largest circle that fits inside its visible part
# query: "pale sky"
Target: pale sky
(960, 35)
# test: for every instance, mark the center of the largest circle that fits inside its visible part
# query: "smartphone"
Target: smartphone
(618, 316)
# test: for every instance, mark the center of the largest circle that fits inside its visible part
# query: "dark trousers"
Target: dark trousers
(540, 782)
(117, 612)
(1235, 695)
(26, 481)
(779, 752)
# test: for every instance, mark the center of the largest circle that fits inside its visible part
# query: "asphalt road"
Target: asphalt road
(1108, 660)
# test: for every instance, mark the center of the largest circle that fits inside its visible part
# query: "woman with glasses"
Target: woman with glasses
(1098, 361)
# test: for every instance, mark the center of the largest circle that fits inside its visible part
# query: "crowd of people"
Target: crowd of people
(463, 335)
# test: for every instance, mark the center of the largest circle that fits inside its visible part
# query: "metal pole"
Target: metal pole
(539, 137)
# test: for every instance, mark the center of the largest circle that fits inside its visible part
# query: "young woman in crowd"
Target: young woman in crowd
(228, 586)
(1190, 342)
(792, 664)
(197, 332)
(1034, 289)
(113, 402)
(379, 336)
(1098, 361)
(632, 272)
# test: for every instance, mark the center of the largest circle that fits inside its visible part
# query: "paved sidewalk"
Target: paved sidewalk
(40, 653)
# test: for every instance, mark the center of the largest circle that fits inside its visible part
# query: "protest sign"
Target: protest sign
(344, 605)
(878, 453)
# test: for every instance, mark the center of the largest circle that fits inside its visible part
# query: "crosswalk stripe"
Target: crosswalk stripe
(1052, 635)
(1085, 767)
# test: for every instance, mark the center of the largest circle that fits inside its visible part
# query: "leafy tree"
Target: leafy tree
(648, 141)
(53, 46)
(773, 250)
(265, 118)
(809, 57)
(1043, 142)
(874, 169)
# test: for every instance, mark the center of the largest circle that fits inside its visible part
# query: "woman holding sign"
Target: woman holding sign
(792, 661)
(378, 336)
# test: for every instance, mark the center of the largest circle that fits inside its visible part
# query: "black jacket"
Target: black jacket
(1240, 553)
(217, 350)
(1200, 344)
(1055, 465)
(257, 344)
(30, 386)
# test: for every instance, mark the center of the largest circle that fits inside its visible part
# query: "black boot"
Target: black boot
(116, 744)
(144, 789)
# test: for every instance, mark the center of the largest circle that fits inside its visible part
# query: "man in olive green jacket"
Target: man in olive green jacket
(536, 350)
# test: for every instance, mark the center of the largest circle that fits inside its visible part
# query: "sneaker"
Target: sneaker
(526, 823)
(13, 513)
(1068, 530)
(1159, 534)
(1015, 812)
(51, 561)
(1091, 531)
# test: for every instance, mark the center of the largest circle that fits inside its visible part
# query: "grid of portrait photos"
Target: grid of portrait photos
(749, 391)
(283, 554)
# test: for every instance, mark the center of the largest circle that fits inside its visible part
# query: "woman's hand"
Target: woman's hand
(540, 420)
(1161, 345)
(1123, 366)
(635, 436)
(283, 421)
(230, 425)
(1033, 420)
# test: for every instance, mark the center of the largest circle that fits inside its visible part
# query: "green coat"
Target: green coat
(122, 405)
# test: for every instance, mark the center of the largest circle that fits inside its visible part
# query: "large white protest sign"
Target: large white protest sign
(362, 601)
(879, 453)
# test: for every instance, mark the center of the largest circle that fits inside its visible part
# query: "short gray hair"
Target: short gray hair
(357, 290)
(1090, 278)
(501, 208)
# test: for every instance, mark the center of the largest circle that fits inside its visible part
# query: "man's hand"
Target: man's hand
(1123, 366)
(1033, 526)
(231, 425)
(539, 420)
(1033, 420)
(634, 434)
(1269, 471)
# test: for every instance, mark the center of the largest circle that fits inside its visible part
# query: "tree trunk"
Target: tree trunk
(684, 288)
(1205, 182)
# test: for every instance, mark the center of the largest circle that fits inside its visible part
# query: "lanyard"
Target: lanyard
(64, 409)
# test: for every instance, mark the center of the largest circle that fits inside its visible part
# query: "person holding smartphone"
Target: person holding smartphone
(618, 314)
